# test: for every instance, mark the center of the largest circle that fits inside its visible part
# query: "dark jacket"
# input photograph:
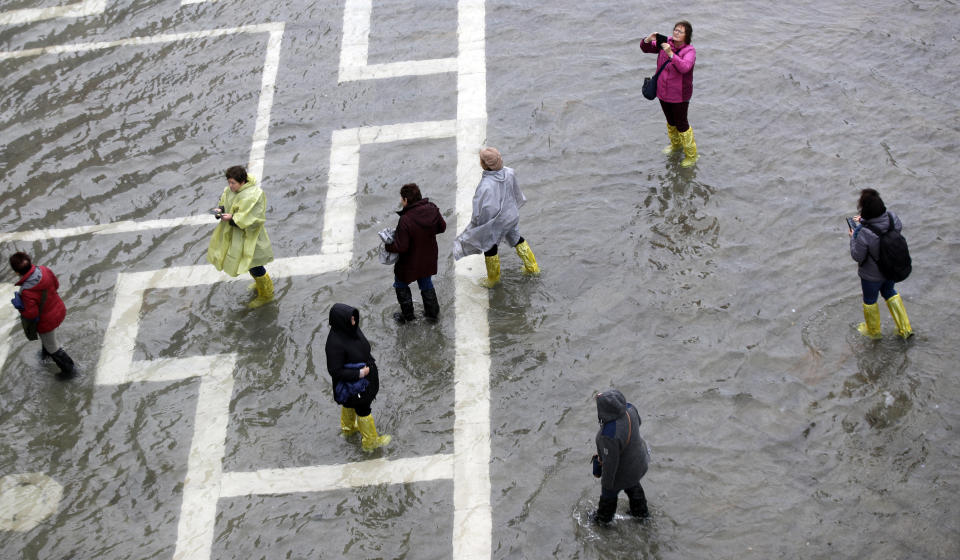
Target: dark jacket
(622, 451)
(347, 345)
(416, 240)
(33, 284)
(865, 245)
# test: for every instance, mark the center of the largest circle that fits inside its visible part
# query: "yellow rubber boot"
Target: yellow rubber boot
(689, 148)
(348, 421)
(676, 143)
(493, 271)
(370, 440)
(264, 291)
(895, 305)
(526, 255)
(871, 327)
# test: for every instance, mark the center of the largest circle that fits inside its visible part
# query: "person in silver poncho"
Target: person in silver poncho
(496, 215)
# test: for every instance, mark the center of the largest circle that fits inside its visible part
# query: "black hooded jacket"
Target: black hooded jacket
(622, 451)
(347, 345)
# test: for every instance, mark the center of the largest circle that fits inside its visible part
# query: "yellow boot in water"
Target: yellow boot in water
(529, 261)
(689, 148)
(871, 326)
(676, 143)
(370, 440)
(348, 421)
(264, 291)
(895, 305)
(493, 271)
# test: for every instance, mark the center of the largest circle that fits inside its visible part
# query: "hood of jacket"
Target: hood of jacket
(340, 315)
(611, 404)
(423, 212)
(881, 223)
(33, 277)
(499, 174)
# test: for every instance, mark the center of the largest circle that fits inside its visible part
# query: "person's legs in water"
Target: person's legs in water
(431, 307)
(638, 501)
(264, 287)
(525, 253)
(676, 143)
(897, 311)
(492, 260)
(405, 299)
(59, 355)
(871, 311)
(607, 506)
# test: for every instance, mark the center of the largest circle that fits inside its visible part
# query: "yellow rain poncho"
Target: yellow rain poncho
(235, 249)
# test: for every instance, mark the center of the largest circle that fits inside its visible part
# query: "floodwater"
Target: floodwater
(721, 300)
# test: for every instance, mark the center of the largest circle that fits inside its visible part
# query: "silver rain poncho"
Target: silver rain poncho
(496, 214)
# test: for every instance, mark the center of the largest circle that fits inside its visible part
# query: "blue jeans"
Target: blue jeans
(425, 283)
(872, 289)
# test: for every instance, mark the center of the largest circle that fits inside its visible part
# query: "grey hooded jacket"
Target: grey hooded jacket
(865, 246)
(496, 214)
(622, 451)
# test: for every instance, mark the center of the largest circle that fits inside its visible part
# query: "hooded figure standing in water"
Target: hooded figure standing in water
(622, 457)
(240, 241)
(496, 215)
(348, 361)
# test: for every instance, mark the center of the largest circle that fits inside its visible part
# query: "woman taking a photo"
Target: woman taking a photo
(675, 87)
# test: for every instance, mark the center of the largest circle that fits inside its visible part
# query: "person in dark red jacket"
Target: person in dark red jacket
(416, 242)
(39, 302)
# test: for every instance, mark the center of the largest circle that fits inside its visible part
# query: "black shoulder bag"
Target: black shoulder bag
(650, 84)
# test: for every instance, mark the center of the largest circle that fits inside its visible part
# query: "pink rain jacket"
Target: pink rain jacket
(675, 83)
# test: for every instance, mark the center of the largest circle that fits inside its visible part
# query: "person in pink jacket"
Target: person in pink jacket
(675, 87)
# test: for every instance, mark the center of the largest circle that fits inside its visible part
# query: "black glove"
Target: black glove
(597, 467)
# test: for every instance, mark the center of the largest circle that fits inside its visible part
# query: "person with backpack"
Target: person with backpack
(881, 252)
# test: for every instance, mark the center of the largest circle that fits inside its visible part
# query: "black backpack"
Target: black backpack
(893, 257)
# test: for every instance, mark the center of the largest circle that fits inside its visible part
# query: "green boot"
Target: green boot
(493, 271)
(348, 421)
(871, 325)
(676, 143)
(526, 255)
(370, 440)
(689, 148)
(895, 305)
(264, 291)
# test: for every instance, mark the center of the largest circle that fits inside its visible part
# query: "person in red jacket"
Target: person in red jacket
(39, 302)
(675, 87)
(416, 242)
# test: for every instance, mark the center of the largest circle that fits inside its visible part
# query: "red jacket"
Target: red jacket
(37, 280)
(416, 240)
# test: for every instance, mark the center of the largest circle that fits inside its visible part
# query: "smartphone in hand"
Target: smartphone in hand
(661, 39)
(851, 224)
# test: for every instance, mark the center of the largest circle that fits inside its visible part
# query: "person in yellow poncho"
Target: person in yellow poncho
(240, 240)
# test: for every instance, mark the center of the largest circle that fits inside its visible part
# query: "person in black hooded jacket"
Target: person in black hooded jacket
(349, 360)
(622, 457)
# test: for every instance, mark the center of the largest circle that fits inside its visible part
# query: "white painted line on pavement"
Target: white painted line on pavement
(258, 142)
(323, 478)
(356, 46)
(29, 15)
(340, 208)
(472, 517)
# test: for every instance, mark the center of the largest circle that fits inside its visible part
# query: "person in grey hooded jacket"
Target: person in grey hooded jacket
(496, 215)
(622, 457)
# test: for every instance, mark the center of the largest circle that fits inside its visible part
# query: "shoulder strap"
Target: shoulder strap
(662, 66)
(629, 426)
